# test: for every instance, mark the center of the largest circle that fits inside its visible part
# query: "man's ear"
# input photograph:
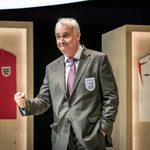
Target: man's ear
(78, 34)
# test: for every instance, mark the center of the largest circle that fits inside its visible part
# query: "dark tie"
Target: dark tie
(71, 75)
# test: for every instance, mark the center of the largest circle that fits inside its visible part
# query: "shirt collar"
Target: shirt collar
(77, 55)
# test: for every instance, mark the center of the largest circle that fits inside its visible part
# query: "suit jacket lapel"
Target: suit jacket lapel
(61, 75)
(83, 62)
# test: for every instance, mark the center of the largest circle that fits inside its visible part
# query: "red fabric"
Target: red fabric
(7, 85)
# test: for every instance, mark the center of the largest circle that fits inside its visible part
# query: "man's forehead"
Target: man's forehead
(62, 33)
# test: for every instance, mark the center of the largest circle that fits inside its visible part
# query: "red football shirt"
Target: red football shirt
(7, 85)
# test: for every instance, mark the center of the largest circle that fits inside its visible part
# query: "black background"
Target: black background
(94, 17)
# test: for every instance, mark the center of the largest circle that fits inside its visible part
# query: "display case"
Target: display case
(16, 39)
(128, 48)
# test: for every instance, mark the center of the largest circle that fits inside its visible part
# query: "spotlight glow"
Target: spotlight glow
(17, 4)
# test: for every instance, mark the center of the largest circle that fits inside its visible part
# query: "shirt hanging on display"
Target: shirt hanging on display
(144, 88)
(7, 85)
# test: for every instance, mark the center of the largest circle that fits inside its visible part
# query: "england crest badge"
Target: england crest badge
(90, 83)
(6, 71)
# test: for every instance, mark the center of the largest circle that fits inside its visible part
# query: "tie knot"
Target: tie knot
(71, 60)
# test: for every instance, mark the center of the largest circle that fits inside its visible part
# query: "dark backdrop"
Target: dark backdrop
(95, 18)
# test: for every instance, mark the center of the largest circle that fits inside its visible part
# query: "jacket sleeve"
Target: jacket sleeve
(41, 102)
(110, 100)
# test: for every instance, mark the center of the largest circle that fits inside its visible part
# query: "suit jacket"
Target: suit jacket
(92, 106)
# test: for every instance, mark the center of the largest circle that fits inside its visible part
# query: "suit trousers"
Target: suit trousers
(74, 143)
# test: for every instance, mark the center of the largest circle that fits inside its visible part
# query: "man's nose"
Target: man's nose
(62, 39)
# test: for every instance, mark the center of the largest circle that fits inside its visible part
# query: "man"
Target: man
(84, 116)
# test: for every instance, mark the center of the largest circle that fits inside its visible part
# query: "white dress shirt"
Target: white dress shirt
(67, 63)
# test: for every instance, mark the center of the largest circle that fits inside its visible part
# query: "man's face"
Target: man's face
(67, 39)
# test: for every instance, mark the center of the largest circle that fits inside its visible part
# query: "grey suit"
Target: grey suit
(92, 106)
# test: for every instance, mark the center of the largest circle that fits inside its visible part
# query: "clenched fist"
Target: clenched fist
(19, 98)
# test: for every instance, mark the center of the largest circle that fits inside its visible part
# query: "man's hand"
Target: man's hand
(19, 98)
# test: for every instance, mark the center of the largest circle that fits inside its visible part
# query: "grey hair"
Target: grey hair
(69, 21)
